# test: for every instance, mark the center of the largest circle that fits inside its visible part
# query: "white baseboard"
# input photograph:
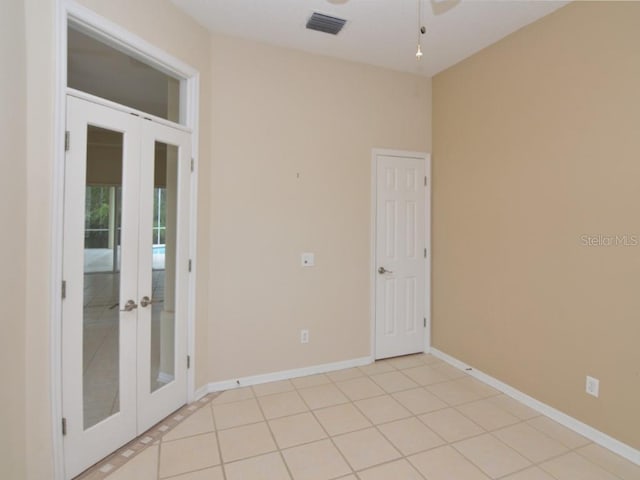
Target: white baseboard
(577, 426)
(200, 392)
(282, 375)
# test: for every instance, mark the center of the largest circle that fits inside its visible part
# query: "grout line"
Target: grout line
(215, 429)
(273, 437)
(330, 437)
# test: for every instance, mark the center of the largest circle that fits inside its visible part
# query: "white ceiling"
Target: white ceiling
(378, 32)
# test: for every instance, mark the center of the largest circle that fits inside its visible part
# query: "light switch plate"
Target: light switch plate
(307, 259)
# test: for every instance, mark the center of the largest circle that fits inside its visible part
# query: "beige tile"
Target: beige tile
(573, 467)
(487, 415)
(359, 388)
(562, 434)
(514, 407)
(445, 463)
(425, 375)
(449, 370)
(235, 395)
(365, 448)
(429, 359)
(418, 401)
(296, 430)
(611, 462)
(400, 470)
(376, 368)
(199, 422)
(264, 467)
(451, 424)
(455, 392)
(230, 415)
(142, 466)
(492, 456)
(341, 419)
(394, 382)
(282, 404)
(214, 473)
(382, 409)
(273, 387)
(481, 388)
(407, 361)
(315, 461)
(347, 374)
(532, 443)
(188, 454)
(246, 441)
(310, 381)
(322, 396)
(533, 473)
(410, 436)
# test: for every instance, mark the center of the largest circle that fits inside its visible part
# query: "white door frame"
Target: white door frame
(373, 272)
(113, 34)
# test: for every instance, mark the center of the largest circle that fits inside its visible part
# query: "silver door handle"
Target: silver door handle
(383, 270)
(129, 306)
(146, 301)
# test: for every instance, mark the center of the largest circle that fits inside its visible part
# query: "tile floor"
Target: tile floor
(409, 418)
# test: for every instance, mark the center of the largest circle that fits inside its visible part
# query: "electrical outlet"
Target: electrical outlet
(304, 336)
(593, 386)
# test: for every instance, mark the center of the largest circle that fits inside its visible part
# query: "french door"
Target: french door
(125, 270)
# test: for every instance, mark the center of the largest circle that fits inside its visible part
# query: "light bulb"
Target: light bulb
(419, 53)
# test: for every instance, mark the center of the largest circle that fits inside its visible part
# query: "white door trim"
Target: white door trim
(372, 269)
(115, 35)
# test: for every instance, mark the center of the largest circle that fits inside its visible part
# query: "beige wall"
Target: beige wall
(12, 253)
(278, 113)
(536, 143)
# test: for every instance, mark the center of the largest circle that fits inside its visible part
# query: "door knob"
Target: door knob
(383, 270)
(146, 301)
(129, 306)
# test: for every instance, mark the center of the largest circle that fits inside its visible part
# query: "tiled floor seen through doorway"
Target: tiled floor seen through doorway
(409, 418)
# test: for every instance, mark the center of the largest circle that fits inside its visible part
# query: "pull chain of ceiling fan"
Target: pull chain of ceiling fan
(420, 31)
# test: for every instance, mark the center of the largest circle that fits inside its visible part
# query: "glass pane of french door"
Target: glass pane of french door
(101, 326)
(165, 197)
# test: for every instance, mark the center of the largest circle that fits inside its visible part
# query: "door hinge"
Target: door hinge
(425, 253)
(188, 362)
(189, 264)
(425, 180)
(64, 290)
(192, 164)
(67, 140)
(425, 322)
(64, 426)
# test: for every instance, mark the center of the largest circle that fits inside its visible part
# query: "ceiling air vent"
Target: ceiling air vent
(325, 23)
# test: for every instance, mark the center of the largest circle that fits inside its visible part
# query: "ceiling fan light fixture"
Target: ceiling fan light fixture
(419, 53)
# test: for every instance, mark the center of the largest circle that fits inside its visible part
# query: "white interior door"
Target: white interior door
(401, 290)
(125, 270)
